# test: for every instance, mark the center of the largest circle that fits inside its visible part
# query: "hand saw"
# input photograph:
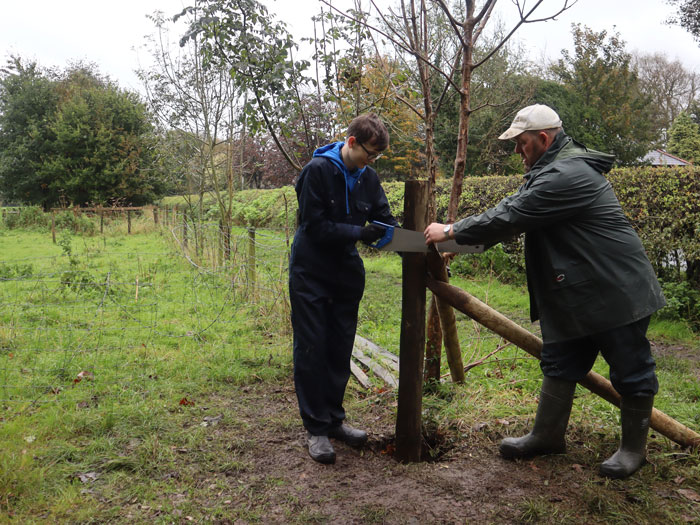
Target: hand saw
(397, 239)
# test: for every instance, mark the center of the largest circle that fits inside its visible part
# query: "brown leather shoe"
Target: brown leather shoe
(320, 449)
(351, 436)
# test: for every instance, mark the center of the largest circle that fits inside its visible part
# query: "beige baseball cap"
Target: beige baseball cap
(535, 117)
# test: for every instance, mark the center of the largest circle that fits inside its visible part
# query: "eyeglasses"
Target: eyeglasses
(370, 156)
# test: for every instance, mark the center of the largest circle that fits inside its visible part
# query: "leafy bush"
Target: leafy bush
(663, 206)
(78, 223)
(35, 217)
(27, 217)
(506, 262)
(683, 303)
(10, 271)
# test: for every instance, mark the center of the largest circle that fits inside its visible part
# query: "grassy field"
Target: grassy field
(136, 384)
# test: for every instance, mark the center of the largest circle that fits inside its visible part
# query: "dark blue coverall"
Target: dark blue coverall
(326, 283)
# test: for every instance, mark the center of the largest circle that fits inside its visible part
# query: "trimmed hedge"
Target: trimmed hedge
(663, 204)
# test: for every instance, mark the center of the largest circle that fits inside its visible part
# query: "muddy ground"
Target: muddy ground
(261, 473)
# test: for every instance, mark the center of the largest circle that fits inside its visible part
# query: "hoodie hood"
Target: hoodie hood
(332, 152)
(565, 147)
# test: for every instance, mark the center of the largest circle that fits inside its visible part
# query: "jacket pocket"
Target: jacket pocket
(572, 286)
(363, 207)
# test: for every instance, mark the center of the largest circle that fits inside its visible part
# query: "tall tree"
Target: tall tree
(103, 145)
(28, 103)
(468, 27)
(672, 87)
(684, 138)
(199, 100)
(257, 50)
(687, 16)
(74, 136)
(617, 115)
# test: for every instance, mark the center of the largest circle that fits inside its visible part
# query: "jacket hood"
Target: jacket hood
(565, 147)
(332, 152)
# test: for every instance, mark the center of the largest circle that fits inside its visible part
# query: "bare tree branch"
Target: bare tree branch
(524, 20)
(456, 25)
(395, 42)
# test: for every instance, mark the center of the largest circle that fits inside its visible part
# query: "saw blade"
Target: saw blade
(401, 240)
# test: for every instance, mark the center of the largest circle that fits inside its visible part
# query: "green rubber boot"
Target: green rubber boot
(635, 414)
(547, 435)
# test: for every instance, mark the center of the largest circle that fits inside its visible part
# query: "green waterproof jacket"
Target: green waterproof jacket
(587, 271)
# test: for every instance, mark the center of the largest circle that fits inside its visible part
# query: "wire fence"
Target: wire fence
(94, 314)
(88, 315)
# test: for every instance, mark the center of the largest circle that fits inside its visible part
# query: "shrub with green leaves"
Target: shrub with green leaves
(27, 217)
(78, 223)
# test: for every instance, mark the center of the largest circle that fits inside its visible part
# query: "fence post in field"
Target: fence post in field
(53, 226)
(128, 221)
(184, 228)
(167, 217)
(251, 258)
(102, 218)
(155, 215)
(412, 340)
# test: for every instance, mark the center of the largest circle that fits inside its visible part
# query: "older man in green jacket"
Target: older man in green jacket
(590, 282)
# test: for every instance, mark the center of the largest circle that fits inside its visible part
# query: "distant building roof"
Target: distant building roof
(659, 157)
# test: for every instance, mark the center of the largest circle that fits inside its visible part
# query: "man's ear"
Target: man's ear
(545, 139)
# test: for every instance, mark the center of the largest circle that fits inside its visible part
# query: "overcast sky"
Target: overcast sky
(109, 33)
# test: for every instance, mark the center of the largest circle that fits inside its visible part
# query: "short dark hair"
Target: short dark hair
(369, 129)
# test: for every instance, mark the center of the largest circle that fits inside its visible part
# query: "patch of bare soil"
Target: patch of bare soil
(688, 354)
(270, 477)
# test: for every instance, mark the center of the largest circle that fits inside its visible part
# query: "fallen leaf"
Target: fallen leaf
(186, 402)
(212, 420)
(533, 466)
(679, 480)
(577, 467)
(88, 477)
(479, 426)
(29, 439)
(389, 450)
(690, 494)
(503, 422)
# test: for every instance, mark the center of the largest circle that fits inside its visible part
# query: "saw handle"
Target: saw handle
(386, 238)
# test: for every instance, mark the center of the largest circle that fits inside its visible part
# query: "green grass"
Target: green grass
(198, 328)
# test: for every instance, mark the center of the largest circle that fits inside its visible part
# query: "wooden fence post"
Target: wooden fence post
(53, 226)
(412, 340)
(128, 221)
(184, 228)
(251, 258)
(155, 215)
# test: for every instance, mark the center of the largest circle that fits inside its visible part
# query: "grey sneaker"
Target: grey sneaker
(351, 436)
(320, 449)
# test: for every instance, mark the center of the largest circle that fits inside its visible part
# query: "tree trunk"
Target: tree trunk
(433, 345)
(437, 269)
(463, 133)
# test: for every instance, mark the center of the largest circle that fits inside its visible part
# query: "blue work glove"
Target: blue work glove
(371, 233)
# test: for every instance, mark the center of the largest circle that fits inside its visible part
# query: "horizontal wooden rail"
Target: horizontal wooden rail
(516, 334)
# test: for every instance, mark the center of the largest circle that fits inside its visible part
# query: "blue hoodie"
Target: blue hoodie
(332, 152)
